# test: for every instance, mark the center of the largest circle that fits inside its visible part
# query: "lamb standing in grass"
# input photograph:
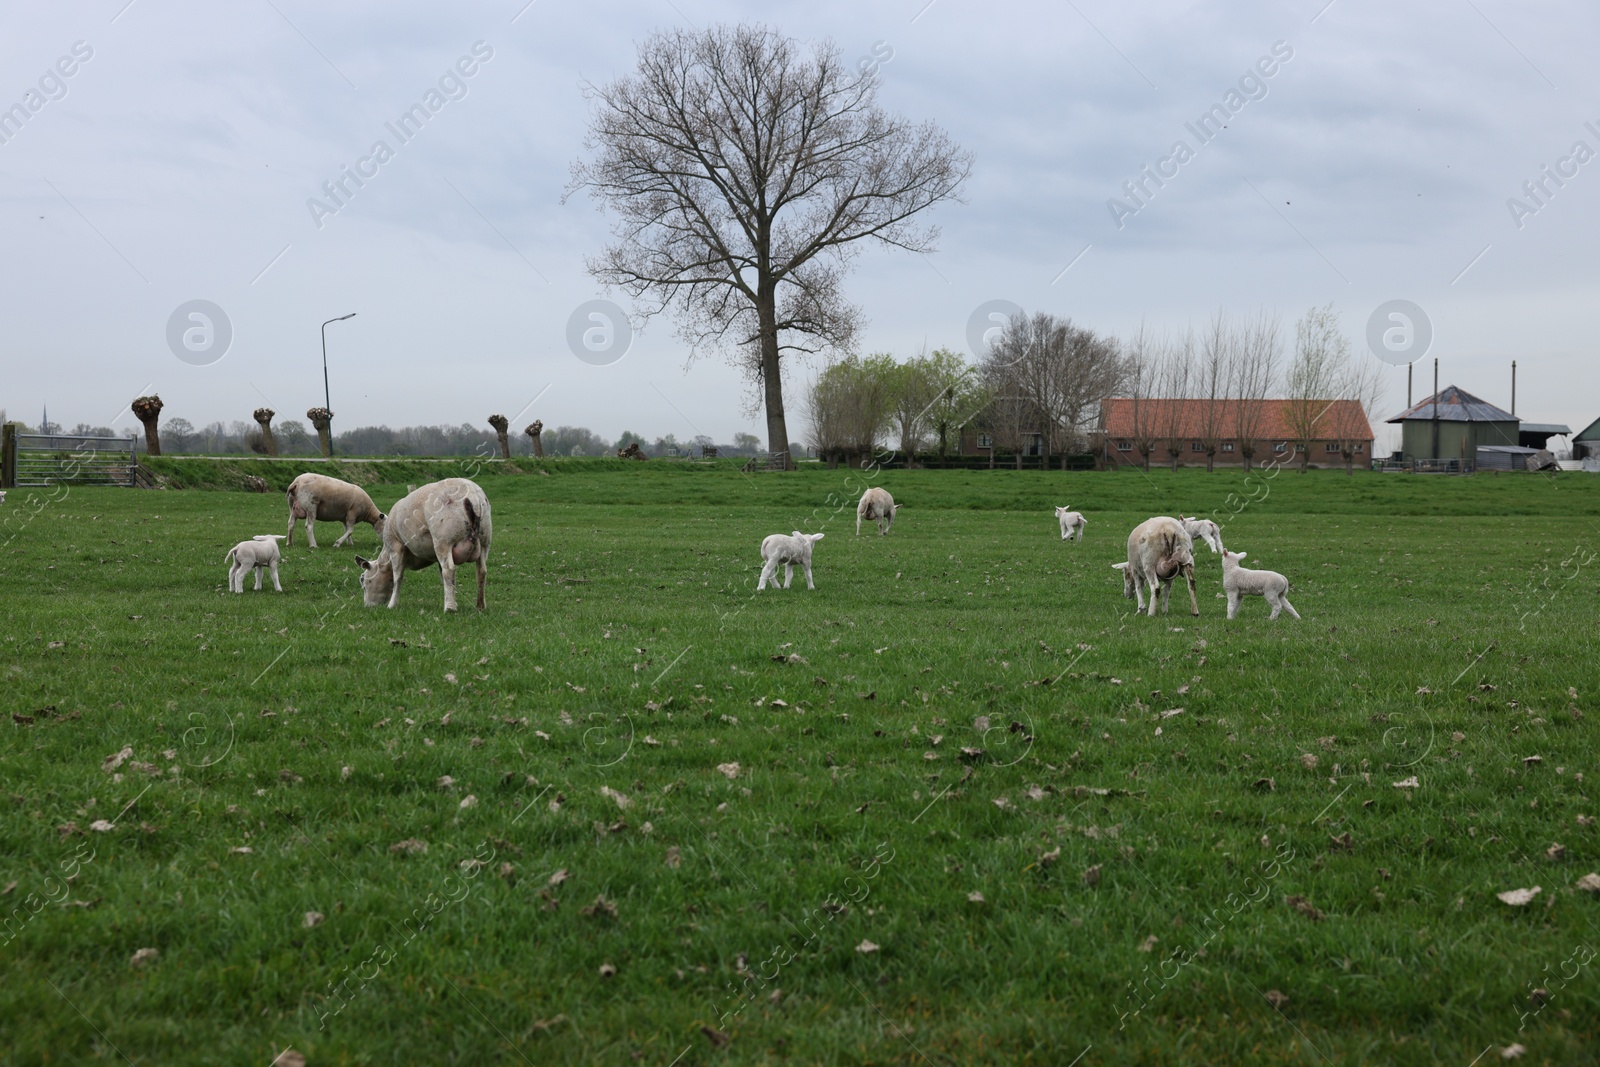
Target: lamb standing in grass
(258, 554)
(1240, 582)
(317, 496)
(1072, 524)
(876, 506)
(786, 550)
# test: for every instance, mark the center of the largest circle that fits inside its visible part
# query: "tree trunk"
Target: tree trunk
(152, 437)
(147, 409)
(771, 376)
(1211, 463)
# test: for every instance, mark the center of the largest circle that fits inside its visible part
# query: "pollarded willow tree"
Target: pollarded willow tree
(745, 171)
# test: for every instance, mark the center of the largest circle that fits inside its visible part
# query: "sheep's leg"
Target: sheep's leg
(1138, 592)
(1233, 603)
(397, 570)
(235, 578)
(257, 568)
(1288, 607)
(788, 573)
(1194, 605)
(1156, 593)
(447, 573)
(349, 530)
(809, 583)
(483, 579)
(275, 583)
(767, 572)
(858, 524)
(287, 541)
(311, 528)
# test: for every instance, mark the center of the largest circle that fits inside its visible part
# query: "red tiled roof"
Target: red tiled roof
(1335, 419)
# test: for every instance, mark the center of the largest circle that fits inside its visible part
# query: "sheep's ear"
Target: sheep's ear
(817, 537)
(1120, 566)
(1240, 555)
(364, 564)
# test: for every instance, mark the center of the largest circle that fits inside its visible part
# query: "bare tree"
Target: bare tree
(147, 409)
(1143, 375)
(745, 172)
(1218, 350)
(1172, 415)
(1316, 376)
(1361, 389)
(1255, 370)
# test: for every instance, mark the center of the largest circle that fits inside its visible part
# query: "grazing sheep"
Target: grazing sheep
(317, 496)
(258, 554)
(1072, 524)
(1203, 530)
(1159, 549)
(445, 522)
(786, 550)
(876, 506)
(1240, 582)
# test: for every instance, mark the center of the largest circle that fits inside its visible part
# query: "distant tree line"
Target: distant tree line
(294, 438)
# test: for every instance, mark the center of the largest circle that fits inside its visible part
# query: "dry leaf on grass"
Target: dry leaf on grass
(1003, 803)
(674, 857)
(1529, 761)
(143, 956)
(622, 799)
(242, 850)
(1409, 783)
(729, 771)
(410, 846)
(560, 876)
(312, 918)
(116, 759)
(1305, 907)
(717, 1038)
(1556, 851)
(1050, 857)
(469, 801)
(1149, 944)
(1589, 883)
(1308, 760)
(1276, 999)
(1511, 1052)
(101, 826)
(601, 908)
(975, 897)
(1519, 897)
(1091, 877)
(866, 947)
(607, 971)
(1265, 785)
(444, 781)
(289, 1058)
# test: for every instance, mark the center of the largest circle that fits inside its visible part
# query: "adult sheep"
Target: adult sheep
(876, 506)
(445, 522)
(314, 497)
(1159, 549)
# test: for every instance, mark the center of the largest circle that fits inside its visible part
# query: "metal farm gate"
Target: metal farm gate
(30, 459)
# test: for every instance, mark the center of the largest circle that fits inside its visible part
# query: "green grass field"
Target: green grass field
(944, 809)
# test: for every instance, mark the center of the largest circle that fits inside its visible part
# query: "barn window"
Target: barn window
(1124, 446)
(1331, 446)
(985, 441)
(1227, 446)
(1196, 446)
(1281, 446)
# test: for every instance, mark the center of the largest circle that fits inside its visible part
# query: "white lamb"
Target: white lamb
(1072, 524)
(786, 550)
(1240, 582)
(1159, 549)
(876, 506)
(258, 554)
(1204, 530)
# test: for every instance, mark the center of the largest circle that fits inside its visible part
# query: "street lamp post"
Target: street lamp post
(326, 401)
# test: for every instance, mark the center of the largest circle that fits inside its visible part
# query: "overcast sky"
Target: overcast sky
(176, 161)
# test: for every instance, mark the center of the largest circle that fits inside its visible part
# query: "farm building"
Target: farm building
(1232, 430)
(1586, 442)
(1538, 434)
(1454, 426)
